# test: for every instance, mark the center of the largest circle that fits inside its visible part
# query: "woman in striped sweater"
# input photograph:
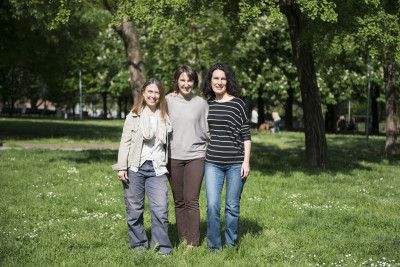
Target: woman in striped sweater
(228, 153)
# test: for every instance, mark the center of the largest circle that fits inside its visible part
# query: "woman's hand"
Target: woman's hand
(173, 94)
(123, 176)
(245, 171)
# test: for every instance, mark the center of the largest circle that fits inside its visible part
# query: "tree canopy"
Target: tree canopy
(283, 51)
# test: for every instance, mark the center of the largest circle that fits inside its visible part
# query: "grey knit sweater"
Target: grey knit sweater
(189, 127)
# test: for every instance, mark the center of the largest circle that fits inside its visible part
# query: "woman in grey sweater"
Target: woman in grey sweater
(188, 115)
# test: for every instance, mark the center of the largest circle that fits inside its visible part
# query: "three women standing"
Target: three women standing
(142, 160)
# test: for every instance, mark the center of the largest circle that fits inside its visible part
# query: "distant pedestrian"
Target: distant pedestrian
(277, 120)
(142, 160)
(254, 118)
(341, 123)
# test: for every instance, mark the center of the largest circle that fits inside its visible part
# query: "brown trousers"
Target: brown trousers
(186, 177)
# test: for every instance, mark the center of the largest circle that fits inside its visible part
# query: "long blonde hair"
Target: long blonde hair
(141, 103)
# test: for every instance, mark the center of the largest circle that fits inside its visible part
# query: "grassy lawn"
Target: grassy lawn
(62, 208)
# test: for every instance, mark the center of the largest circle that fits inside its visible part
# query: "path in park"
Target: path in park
(75, 147)
(80, 147)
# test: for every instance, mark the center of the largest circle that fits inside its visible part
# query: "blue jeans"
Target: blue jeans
(145, 180)
(214, 178)
(276, 126)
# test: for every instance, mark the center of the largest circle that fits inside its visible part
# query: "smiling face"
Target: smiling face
(218, 82)
(151, 96)
(185, 85)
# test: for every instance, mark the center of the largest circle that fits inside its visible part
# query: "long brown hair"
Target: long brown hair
(141, 103)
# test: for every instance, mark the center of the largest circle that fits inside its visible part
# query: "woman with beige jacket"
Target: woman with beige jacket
(142, 160)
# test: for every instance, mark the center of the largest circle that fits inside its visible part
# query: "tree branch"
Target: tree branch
(108, 7)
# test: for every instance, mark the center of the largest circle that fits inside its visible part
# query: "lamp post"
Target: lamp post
(369, 93)
(349, 111)
(80, 94)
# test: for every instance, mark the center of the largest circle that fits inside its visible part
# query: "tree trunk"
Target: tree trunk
(330, 119)
(34, 103)
(316, 147)
(374, 109)
(289, 111)
(260, 107)
(126, 106)
(133, 56)
(11, 103)
(128, 33)
(389, 70)
(197, 56)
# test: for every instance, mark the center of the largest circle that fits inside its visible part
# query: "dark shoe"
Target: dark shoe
(215, 251)
(231, 247)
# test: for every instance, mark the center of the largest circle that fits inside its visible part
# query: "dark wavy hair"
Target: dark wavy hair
(191, 73)
(232, 85)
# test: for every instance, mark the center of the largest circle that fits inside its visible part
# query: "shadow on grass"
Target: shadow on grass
(271, 161)
(28, 130)
(90, 156)
(246, 226)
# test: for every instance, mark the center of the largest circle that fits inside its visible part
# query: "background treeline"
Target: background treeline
(306, 58)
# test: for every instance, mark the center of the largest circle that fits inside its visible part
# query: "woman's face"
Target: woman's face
(151, 96)
(185, 85)
(218, 82)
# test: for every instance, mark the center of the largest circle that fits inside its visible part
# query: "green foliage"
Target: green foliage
(200, 43)
(51, 58)
(159, 13)
(111, 64)
(322, 10)
(249, 11)
(53, 12)
(264, 60)
(250, 35)
(119, 84)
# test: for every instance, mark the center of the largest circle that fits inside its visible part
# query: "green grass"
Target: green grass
(295, 140)
(65, 208)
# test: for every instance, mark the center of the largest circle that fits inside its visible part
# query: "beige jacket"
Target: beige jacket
(130, 147)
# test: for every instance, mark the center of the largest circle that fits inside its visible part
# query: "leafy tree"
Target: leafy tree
(266, 67)
(342, 76)
(120, 89)
(57, 13)
(110, 63)
(199, 43)
(126, 28)
(51, 58)
(378, 24)
(374, 25)
(164, 11)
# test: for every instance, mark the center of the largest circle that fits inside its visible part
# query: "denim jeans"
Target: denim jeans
(214, 179)
(156, 188)
(276, 126)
